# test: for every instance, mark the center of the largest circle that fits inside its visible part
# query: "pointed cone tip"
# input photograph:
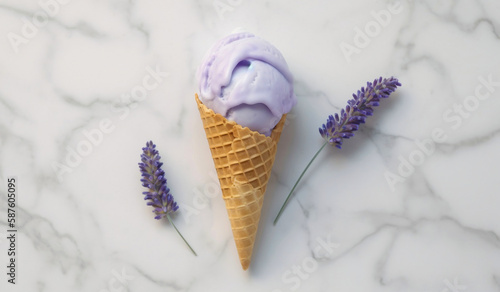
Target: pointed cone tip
(245, 264)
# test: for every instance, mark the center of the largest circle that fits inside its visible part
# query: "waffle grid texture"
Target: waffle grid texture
(243, 159)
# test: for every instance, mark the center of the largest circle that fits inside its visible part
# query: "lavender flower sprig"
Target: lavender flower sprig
(340, 127)
(158, 194)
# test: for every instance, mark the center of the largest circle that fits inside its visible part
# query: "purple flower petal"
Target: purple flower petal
(358, 108)
(153, 178)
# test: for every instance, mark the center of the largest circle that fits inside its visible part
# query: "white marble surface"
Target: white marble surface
(437, 230)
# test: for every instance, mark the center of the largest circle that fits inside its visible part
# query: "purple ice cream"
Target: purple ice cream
(247, 80)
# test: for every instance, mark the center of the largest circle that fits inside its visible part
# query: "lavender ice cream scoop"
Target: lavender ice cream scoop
(247, 80)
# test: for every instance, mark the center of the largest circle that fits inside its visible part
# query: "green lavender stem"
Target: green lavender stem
(296, 183)
(172, 222)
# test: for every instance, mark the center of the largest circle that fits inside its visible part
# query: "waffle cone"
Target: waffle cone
(243, 159)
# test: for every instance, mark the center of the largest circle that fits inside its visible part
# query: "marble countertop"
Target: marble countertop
(409, 204)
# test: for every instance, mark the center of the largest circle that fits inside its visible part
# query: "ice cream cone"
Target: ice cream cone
(243, 159)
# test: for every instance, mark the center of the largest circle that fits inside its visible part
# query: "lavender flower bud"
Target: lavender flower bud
(357, 110)
(153, 178)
